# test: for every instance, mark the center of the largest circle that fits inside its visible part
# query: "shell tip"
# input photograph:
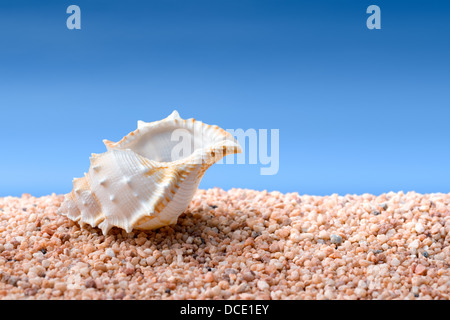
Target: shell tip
(141, 124)
(108, 143)
(105, 227)
(174, 115)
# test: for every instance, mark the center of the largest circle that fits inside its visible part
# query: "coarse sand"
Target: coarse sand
(236, 244)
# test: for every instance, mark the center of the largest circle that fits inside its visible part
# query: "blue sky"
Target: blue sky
(358, 110)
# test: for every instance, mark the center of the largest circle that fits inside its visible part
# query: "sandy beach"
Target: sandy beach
(236, 244)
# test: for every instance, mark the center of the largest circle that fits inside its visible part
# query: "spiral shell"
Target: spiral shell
(142, 181)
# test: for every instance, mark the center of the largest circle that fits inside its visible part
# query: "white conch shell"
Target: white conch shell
(137, 184)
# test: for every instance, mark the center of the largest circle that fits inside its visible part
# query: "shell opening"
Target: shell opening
(176, 139)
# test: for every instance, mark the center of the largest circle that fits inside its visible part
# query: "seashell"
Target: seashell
(143, 181)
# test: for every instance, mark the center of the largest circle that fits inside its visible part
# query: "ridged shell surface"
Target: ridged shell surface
(147, 179)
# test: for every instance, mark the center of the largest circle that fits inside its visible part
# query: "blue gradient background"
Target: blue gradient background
(359, 111)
